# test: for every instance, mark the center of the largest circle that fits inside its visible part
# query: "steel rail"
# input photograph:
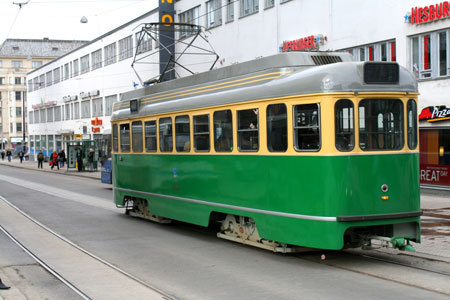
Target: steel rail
(162, 293)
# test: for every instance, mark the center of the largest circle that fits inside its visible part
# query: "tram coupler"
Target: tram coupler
(399, 243)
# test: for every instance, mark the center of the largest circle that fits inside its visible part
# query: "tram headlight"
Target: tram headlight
(327, 82)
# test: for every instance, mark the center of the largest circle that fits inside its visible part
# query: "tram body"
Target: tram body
(287, 150)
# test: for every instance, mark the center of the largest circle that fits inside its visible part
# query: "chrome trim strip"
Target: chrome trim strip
(253, 210)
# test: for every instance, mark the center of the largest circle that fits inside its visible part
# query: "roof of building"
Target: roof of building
(38, 48)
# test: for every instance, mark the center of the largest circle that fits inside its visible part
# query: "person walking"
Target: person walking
(40, 158)
(21, 155)
(3, 154)
(55, 160)
(8, 154)
(79, 157)
(91, 160)
(62, 158)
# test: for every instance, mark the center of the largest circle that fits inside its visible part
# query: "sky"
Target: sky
(60, 19)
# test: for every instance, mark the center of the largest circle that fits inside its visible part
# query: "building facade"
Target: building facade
(414, 33)
(17, 58)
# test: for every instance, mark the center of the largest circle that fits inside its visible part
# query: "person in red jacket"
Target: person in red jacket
(55, 160)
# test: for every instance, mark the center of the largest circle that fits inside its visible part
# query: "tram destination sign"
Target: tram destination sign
(435, 113)
(430, 13)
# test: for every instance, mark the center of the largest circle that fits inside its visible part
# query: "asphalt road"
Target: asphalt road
(186, 261)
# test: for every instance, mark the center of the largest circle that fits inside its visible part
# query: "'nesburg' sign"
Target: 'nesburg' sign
(430, 13)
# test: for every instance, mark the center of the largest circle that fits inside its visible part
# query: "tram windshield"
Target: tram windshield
(381, 124)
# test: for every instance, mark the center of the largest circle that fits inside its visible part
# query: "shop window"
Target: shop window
(277, 128)
(443, 53)
(307, 127)
(136, 131)
(344, 125)
(201, 133)
(115, 138)
(380, 124)
(125, 137)
(412, 124)
(165, 135)
(150, 136)
(223, 131)
(248, 130)
(182, 134)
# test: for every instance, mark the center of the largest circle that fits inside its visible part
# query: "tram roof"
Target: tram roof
(280, 75)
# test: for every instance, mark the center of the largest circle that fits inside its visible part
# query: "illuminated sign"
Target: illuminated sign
(307, 43)
(434, 113)
(430, 13)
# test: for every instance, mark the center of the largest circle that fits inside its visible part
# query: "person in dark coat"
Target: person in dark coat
(21, 155)
(40, 158)
(79, 157)
(62, 158)
(9, 155)
(3, 154)
(91, 160)
(55, 160)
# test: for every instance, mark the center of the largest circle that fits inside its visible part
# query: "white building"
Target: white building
(415, 33)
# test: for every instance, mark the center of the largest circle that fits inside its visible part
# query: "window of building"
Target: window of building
(50, 113)
(344, 125)
(76, 68)
(223, 131)
(30, 117)
(443, 65)
(248, 135)
(67, 111)
(136, 131)
(57, 75)
(144, 42)
(230, 10)
(165, 135)
(381, 51)
(150, 136)
(201, 133)
(248, 7)
(412, 124)
(17, 80)
(42, 115)
(125, 137)
(30, 85)
(41, 81)
(84, 62)
(110, 54)
(66, 71)
(18, 112)
(182, 134)
(57, 113)
(36, 116)
(1, 63)
(126, 48)
(307, 127)
(213, 13)
(17, 64)
(115, 138)
(109, 102)
(86, 109)
(36, 64)
(96, 59)
(18, 95)
(277, 128)
(97, 107)
(269, 3)
(49, 78)
(380, 124)
(18, 127)
(76, 110)
(2, 81)
(189, 17)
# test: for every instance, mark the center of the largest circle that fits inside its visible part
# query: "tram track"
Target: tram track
(141, 289)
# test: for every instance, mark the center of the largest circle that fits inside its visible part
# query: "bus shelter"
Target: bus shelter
(84, 146)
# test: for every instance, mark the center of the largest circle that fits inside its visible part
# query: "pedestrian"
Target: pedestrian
(3, 154)
(62, 158)
(55, 160)
(21, 155)
(8, 154)
(91, 160)
(40, 158)
(79, 156)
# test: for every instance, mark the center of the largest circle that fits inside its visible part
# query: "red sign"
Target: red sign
(95, 129)
(434, 174)
(434, 113)
(430, 13)
(96, 122)
(306, 43)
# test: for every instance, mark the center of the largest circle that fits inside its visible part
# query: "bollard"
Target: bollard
(2, 286)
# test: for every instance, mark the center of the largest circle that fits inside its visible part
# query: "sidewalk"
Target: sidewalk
(32, 165)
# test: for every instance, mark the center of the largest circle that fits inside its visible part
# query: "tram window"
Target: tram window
(307, 127)
(165, 135)
(412, 124)
(115, 138)
(380, 124)
(277, 128)
(248, 130)
(182, 134)
(201, 133)
(223, 131)
(136, 134)
(344, 125)
(150, 136)
(125, 137)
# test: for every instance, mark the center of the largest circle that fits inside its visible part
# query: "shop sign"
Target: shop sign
(430, 13)
(78, 136)
(307, 43)
(435, 113)
(434, 174)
